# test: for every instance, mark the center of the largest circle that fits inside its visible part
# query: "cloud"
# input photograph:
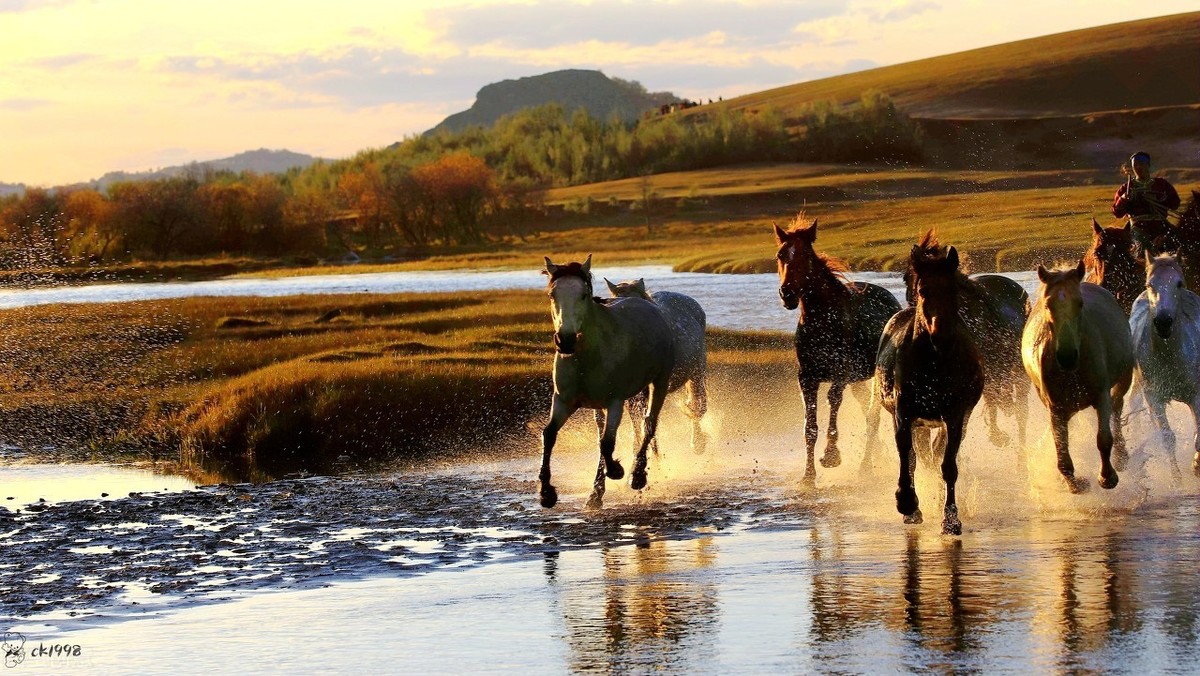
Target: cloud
(899, 11)
(553, 24)
(62, 61)
(24, 105)
(16, 6)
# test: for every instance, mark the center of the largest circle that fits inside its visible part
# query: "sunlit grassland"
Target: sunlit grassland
(719, 220)
(390, 377)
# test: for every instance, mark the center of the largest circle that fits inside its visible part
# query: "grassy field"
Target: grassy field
(254, 388)
(719, 220)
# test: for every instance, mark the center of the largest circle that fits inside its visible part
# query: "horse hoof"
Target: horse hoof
(613, 470)
(1109, 481)
(831, 460)
(595, 502)
(637, 480)
(549, 496)
(1077, 485)
(906, 501)
(914, 519)
(951, 524)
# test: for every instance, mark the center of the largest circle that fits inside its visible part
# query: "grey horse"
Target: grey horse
(1165, 323)
(688, 320)
(607, 352)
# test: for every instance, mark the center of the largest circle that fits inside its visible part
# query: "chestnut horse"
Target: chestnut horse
(1165, 323)
(1111, 263)
(837, 333)
(994, 307)
(1188, 234)
(1078, 352)
(930, 373)
(607, 352)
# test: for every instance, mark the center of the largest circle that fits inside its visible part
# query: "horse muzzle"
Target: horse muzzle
(1068, 359)
(790, 298)
(1162, 326)
(566, 343)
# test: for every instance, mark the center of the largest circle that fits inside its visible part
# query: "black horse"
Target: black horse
(929, 372)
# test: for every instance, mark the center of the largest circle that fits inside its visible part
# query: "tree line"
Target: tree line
(445, 189)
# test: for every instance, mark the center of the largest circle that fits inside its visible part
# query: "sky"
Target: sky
(91, 86)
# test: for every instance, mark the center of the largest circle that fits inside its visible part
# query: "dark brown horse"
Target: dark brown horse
(837, 334)
(929, 372)
(1188, 234)
(994, 308)
(1112, 264)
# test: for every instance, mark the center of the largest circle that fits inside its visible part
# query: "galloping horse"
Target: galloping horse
(1111, 263)
(1078, 352)
(1166, 334)
(1188, 234)
(607, 352)
(994, 308)
(929, 371)
(837, 334)
(687, 319)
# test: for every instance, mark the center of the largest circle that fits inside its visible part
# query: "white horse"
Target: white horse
(608, 352)
(1165, 323)
(688, 320)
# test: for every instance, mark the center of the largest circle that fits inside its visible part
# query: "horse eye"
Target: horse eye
(1179, 284)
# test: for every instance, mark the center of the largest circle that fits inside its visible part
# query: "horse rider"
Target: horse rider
(1146, 200)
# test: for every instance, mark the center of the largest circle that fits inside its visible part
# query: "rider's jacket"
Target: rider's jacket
(1145, 201)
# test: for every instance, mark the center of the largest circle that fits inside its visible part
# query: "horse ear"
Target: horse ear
(640, 285)
(587, 265)
(813, 229)
(612, 288)
(952, 258)
(780, 234)
(551, 268)
(1128, 226)
(1149, 258)
(1043, 275)
(1080, 270)
(1096, 227)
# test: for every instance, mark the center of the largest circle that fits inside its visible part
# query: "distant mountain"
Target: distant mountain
(260, 161)
(7, 189)
(599, 94)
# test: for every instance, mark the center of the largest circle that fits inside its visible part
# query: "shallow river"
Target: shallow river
(724, 564)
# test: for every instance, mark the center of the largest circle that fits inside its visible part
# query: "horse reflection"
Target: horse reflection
(650, 608)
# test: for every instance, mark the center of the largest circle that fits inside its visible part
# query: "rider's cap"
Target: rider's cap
(1141, 156)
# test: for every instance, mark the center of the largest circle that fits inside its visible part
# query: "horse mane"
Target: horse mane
(1166, 260)
(572, 269)
(836, 267)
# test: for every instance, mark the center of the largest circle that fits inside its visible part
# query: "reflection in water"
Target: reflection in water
(652, 605)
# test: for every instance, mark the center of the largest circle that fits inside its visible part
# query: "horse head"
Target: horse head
(1111, 245)
(796, 259)
(1064, 302)
(631, 289)
(1164, 286)
(934, 284)
(570, 291)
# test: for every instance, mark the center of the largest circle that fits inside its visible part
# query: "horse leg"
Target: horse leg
(833, 457)
(559, 412)
(906, 495)
(808, 391)
(951, 525)
(1196, 442)
(1158, 413)
(697, 405)
(608, 442)
(1120, 452)
(637, 411)
(1058, 425)
(874, 406)
(994, 398)
(658, 394)
(1104, 440)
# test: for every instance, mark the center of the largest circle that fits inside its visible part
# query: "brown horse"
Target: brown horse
(994, 308)
(929, 372)
(1112, 264)
(837, 333)
(1078, 352)
(1188, 234)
